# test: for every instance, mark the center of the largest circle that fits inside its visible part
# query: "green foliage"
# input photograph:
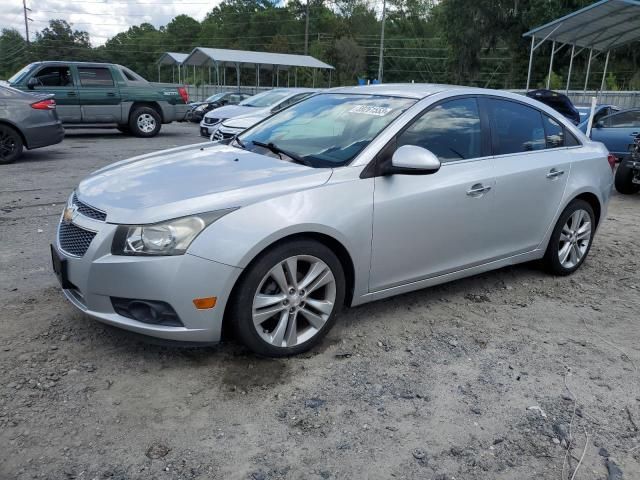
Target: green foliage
(475, 42)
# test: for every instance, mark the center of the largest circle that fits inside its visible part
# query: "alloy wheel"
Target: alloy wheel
(8, 144)
(146, 123)
(294, 300)
(575, 238)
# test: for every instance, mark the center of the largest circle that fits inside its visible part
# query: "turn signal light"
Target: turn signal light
(205, 303)
(48, 104)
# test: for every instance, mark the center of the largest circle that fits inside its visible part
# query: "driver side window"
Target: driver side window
(450, 130)
(55, 76)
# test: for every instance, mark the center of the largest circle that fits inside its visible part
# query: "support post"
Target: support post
(224, 75)
(533, 40)
(238, 75)
(158, 72)
(573, 49)
(173, 74)
(553, 52)
(604, 74)
(179, 74)
(381, 57)
(277, 76)
(586, 78)
(329, 78)
(295, 75)
(288, 77)
(313, 78)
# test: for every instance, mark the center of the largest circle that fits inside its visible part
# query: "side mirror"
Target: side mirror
(32, 83)
(413, 160)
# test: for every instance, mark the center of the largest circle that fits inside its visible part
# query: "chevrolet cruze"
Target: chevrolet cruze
(350, 196)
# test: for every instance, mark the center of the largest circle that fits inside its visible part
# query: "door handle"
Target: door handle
(71, 94)
(477, 190)
(111, 94)
(553, 173)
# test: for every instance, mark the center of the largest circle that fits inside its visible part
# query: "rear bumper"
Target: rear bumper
(174, 112)
(43, 135)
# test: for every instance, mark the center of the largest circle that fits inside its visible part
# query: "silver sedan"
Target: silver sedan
(350, 196)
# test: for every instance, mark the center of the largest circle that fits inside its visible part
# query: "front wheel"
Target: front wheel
(10, 144)
(624, 180)
(288, 299)
(571, 239)
(145, 122)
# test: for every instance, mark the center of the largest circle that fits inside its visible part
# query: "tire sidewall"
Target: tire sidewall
(624, 180)
(551, 256)
(241, 311)
(19, 145)
(133, 122)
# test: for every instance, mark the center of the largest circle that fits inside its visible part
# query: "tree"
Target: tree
(59, 42)
(13, 52)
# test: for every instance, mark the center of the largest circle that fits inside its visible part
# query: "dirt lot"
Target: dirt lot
(486, 378)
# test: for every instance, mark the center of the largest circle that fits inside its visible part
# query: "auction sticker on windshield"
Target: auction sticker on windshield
(371, 110)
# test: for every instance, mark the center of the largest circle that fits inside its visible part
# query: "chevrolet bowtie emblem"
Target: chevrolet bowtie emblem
(69, 214)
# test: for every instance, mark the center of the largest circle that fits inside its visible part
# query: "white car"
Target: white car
(263, 105)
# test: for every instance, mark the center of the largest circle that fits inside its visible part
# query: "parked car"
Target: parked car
(26, 121)
(601, 111)
(265, 103)
(558, 101)
(627, 178)
(198, 109)
(350, 196)
(617, 131)
(105, 94)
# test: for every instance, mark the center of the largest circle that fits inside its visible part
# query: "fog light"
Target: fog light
(147, 311)
(205, 303)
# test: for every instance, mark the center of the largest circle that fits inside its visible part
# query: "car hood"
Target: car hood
(245, 121)
(189, 180)
(229, 111)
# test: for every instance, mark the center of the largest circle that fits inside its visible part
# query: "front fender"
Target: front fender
(341, 209)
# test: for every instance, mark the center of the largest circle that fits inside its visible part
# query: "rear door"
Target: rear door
(618, 131)
(58, 80)
(531, 169)
(99, 95)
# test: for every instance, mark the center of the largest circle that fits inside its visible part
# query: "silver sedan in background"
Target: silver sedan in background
(349, 196)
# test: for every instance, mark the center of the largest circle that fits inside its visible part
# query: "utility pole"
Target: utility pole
(381, 59)
(306, 31)
(26, 19)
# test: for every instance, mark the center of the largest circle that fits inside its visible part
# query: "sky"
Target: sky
(101, 18)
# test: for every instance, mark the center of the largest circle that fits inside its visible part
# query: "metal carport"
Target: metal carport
(218, 57)
(600, 27)
(173, 59)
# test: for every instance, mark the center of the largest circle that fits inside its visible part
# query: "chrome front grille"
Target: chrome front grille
(217, 135)
(73, 239)
(87, 210)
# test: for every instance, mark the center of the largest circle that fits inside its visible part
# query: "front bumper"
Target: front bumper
(206, 129)
(98, 276)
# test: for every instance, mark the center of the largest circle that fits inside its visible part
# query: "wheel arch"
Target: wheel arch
(154, 105)
(15, 127)
(329, 241)
(593, 200)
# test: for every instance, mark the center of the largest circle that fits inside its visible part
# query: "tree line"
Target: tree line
(465, 42)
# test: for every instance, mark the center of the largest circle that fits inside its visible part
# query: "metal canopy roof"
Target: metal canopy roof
(603, 26)
(201, 56)
(172, 58)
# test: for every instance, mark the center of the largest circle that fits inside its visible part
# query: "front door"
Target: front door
(99, 96)
(531, 168)
(57, 80)
(428, 225)
(617, 131)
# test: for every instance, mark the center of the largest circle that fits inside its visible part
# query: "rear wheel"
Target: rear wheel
(10, 144)
(624, 180)
(144, 122)
(571, 239)
(288, 299)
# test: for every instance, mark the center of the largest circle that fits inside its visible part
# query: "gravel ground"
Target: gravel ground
(491, 377)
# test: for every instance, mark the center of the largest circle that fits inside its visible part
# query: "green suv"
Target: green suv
(105, 94)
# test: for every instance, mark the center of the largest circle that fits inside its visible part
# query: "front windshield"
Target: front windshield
(215, 97)
(265, 99)
(326, 130)
(18, 76)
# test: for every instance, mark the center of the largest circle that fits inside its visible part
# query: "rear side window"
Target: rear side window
(450, 130)
(95, 77)
(628, 119)
(515, 128)
(554, 132)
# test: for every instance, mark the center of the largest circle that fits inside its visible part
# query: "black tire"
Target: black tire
(10, 144)
(124, 129)
(624, 180)
(551, 260)
(141, 116)
(241, 304)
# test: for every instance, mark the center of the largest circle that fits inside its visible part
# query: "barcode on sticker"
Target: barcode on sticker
(370, 110)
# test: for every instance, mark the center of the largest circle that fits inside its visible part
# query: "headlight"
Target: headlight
(201, 108)
(172, 237)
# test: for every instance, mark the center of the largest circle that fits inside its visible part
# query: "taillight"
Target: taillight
(611, 158)
(48, 104)
(184, 94)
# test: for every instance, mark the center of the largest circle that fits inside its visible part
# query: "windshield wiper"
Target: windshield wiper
(277, 150)
(239, 142)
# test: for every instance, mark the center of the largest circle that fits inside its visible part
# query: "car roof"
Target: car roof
(406, 90)
(71, 62)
